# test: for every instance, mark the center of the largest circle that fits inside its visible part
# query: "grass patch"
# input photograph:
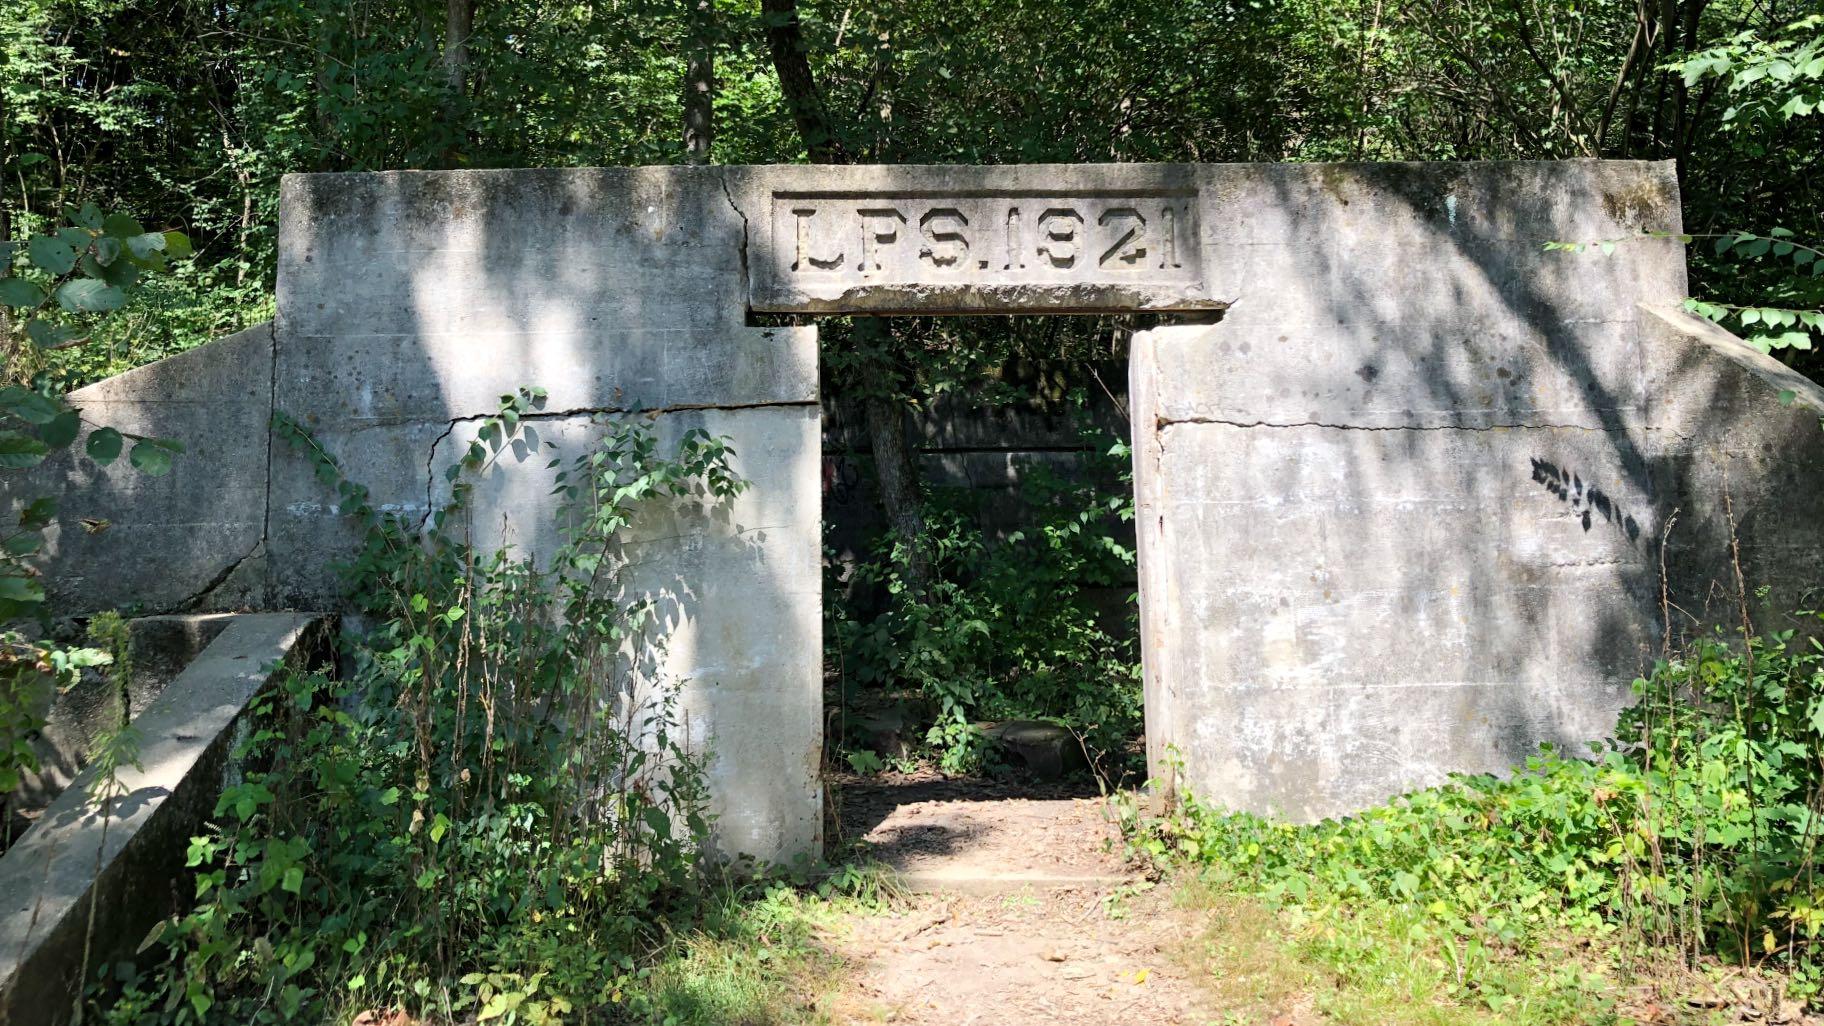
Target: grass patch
(1375, 966)
(1684, 844)
(760, 960)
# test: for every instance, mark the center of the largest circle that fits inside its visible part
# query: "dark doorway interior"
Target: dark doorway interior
(980, 633)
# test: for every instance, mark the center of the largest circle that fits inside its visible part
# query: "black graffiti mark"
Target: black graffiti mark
(1585, 499)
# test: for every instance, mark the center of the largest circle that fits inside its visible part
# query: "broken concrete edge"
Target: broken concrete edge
(1789, 386)
(80, 881)
(1152, 592)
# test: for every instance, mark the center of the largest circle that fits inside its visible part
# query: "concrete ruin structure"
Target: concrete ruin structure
(1415, 494)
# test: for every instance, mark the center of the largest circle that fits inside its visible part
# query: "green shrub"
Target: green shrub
(487, 818)
(1008, 628)
(1693, 831)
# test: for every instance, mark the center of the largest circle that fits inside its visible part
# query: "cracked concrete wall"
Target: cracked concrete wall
(1402, 472)
(1400, 508)
(409, 303)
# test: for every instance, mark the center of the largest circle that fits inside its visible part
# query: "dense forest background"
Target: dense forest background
(185, 113)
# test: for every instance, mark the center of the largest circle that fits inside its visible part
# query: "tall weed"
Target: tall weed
(495, 814)
(1691, 833)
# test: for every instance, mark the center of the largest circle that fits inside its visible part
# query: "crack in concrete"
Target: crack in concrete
(196, 598)
(430, 459)
(272, 406)
(746, 231)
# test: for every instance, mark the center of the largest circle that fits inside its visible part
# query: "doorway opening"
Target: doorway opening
(981, 645)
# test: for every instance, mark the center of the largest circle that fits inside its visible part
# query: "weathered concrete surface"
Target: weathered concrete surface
(897, 239)
(739, 599)
(1400, 509)
(1403, 471)
(409, 303)
(189, 539)
(1740, 442)
(119, 868)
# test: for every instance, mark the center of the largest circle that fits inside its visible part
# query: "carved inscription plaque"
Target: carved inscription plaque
(859, 252)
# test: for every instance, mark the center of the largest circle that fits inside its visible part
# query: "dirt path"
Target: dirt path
(1024, 913)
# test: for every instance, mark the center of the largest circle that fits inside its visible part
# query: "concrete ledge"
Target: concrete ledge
(124, 871)
(76, 717)
(1718, 341)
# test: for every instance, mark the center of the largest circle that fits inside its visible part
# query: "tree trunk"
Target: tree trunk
(458, 26)
(6, 314)
(6, 266)
(894, 464)
(896, 470)
(785, 39)
(700, 83)
(883, 104)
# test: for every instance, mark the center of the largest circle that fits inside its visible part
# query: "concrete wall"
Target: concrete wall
(1403, 470)
(409, 303)
(1401, 506)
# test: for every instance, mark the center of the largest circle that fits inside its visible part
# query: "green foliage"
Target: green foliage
(1765, 284)
(1769, 283)
(56, 289)
(757, 959)
(118, 744)
(32, 671)
(1769, 79)
(1009, 628)
(1695, 830)
(190, 113)
(496, 814)
(61, 284)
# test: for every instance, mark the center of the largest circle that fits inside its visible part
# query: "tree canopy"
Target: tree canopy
(185, 113)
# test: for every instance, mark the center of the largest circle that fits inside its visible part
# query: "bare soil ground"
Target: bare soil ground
(982, 836)
(1025, 912)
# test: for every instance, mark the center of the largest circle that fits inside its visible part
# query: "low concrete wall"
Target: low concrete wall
(78, 875)
(161, 646)
(190, 540)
